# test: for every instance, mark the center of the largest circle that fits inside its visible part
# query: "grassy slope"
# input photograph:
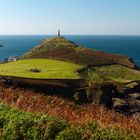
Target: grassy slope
(50, 69)
(113, 73)
(61, 48)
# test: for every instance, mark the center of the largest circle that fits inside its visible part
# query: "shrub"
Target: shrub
(105, 134)
(111, 134)
(17, 125)
(70, 134)
(34, 133)
(92, 127)
(53, 128)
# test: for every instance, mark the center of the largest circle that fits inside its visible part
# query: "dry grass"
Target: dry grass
(56, 106)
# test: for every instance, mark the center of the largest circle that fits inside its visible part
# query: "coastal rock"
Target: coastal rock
(134, 106)
(128, 104)
(120, 105)
(126, 100)
(101, 94)
(135, 96)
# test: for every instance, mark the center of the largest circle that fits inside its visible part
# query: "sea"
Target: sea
(16, 45)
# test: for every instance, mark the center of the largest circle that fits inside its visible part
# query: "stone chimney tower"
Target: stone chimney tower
(58, 33)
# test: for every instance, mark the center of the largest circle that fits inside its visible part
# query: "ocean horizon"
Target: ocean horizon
(129, 45)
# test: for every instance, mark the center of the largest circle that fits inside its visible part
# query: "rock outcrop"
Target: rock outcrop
(125, 100)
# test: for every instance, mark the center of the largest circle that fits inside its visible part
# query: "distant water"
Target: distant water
(126, 45)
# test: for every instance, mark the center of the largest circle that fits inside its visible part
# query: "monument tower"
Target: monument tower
(58, 33)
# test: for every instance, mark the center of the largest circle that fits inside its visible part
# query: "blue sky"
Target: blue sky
(120, 17)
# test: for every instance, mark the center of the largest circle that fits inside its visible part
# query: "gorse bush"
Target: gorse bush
(106, 134)
(17, 125)
(70, 134)
(110, 134)
(53, 128)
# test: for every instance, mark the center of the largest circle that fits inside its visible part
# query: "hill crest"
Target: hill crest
(61, 48)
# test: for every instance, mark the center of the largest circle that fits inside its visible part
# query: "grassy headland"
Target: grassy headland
(61, 48)
(59, 58)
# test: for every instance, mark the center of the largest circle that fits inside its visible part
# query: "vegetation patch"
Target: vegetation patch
(67, 110)
(116, 73)
(17, 125)
(61, 48)
(40, 68)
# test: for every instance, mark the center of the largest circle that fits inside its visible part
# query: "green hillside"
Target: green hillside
(47, 55)
(54, 69)
(61, 48)
(48, 45)
(116, 73)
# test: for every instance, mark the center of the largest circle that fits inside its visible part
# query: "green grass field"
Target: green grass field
(53, 69)
(116, 73)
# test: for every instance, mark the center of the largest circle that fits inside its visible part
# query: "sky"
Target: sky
(100, 17)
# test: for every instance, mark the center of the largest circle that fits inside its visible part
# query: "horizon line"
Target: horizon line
(73, 34)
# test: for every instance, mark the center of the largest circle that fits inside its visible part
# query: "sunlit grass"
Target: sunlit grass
(116, 73)
(49, 69)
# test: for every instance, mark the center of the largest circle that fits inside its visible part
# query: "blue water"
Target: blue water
(126, 45)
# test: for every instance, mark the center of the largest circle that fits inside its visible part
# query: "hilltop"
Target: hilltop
(63, 49)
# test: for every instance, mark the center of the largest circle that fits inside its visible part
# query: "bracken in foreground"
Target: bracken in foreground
(65, 109)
